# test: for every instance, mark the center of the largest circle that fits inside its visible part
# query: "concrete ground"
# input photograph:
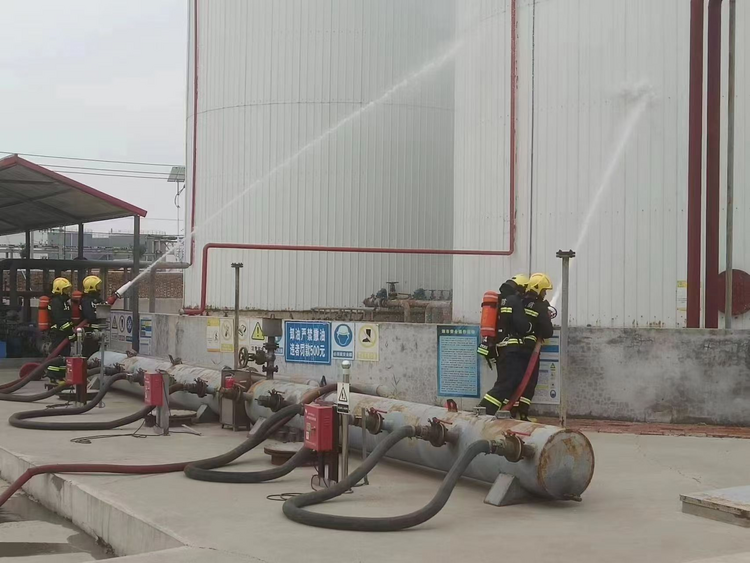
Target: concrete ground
(631, 511)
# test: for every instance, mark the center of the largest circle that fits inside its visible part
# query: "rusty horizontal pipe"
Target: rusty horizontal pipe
(560, 463)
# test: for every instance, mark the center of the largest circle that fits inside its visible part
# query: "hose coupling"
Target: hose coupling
(511, 447)
(274, 401)
(373, 420)
(198, 387)
(436, 433)
(138, 376)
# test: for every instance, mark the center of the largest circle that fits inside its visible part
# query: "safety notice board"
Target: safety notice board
(548, 387)
(458, 361)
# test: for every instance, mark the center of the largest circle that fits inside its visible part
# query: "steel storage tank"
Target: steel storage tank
(273, 77)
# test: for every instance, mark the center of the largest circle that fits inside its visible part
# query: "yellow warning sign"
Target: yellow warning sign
(258, 332)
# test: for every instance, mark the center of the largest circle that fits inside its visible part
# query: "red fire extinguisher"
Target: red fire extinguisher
(43, 313)
(75, 306)
(488, 326)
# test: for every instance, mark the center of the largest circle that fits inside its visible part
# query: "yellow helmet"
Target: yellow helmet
(92, 284)
(522, 280)
(61, 285)
(539, 283)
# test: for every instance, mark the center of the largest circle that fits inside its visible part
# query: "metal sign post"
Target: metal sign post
(342, 406)
(236, 349)
(566, 256)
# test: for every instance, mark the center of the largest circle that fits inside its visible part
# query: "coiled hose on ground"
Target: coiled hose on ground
(294, 507)
(23, 419)
(263, 432)
(202, 470)
(33, 375)
(54, 355)
(50, 392)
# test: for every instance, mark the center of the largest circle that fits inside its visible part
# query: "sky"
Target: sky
(101, 79)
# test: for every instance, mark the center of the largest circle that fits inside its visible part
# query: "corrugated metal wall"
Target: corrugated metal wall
(592, 62)
(742, 150)
(275, 75)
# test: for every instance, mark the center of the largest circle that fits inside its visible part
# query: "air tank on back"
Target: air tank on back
(268, 164)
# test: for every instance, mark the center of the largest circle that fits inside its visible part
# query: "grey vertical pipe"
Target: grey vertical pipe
(565, 290)
(152, 291)
(730, 162)
(45, 281)
(81, 271)
(27, 299)
(163, 412)
(345, 369)
(366, 481)
(135, 301)
(236, 342)
(105, 281)
(13, 279)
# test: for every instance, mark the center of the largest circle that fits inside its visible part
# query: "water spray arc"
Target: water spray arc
(640, 97)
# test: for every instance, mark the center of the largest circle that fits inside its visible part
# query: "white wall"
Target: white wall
(275, 75)
(593, 62)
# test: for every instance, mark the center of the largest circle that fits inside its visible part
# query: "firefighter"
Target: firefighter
(512, 326)
(92, 287)
(537, 309)
(61, 329)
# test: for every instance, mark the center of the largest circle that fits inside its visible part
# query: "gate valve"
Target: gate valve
(259, 357)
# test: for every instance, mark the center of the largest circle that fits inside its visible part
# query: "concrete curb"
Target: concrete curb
(124, 531)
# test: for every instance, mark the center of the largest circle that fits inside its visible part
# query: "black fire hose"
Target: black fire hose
(294, 507)
(33, 375)
(22, 419)
(201, 470)
(50, 392)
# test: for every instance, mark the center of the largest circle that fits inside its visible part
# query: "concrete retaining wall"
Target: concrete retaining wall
(649, 375)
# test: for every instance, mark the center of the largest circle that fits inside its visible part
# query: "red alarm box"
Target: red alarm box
(154, 385)
(75, 371)
(319, 427)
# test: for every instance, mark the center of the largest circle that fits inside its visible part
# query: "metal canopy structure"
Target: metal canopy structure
(35, 198)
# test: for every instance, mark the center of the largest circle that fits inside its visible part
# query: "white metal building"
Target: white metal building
(587, 71)
(274, 78)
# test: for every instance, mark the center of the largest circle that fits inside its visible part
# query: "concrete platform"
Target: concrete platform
(631, 512)
(727, 505)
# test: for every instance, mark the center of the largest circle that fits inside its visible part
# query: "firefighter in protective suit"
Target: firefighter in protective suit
(512, 323)
(537, 309)
(92, 287)
(61, 329)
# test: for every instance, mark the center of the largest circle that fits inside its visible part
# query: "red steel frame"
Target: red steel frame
(695, 165)
(360, 250)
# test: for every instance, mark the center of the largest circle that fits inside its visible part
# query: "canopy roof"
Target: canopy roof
(34, 198)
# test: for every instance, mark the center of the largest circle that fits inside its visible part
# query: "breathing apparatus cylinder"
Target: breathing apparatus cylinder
(488, 326)
(43, 316)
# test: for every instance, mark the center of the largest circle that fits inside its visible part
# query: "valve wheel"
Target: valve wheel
(244, 357)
